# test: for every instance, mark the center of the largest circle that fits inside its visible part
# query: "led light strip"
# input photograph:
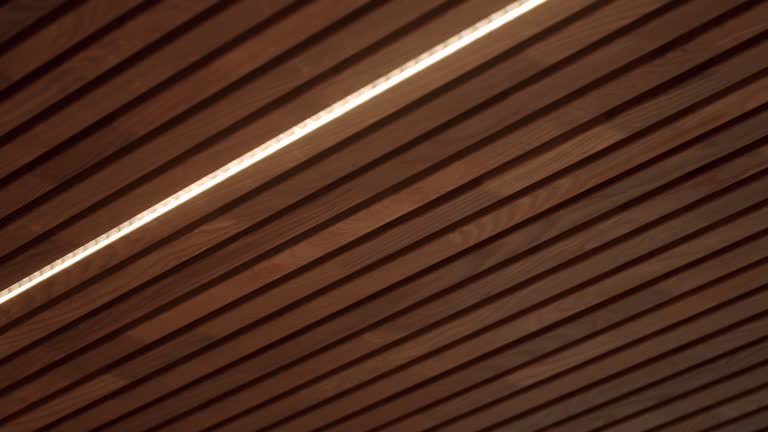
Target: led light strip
(357, 98)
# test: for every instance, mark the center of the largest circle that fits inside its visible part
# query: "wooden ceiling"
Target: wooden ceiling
(563, 227)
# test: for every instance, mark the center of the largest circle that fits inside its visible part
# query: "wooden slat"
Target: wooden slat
(258, 90)
(343, 326)
(562, 227)
(734, 384)
(689, 403)
(18, 15)
(724, 410)
(223, 113)
(245, 211)
(543, 369)
(729, 338)
(260, 43)
(29, 140)
(647, 347)
(372, 281)
(698, 274)
(57, 37)
(530, 398)
(755, 421)
(643, 388)
(330, 201)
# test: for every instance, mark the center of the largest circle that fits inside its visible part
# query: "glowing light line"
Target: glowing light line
(334, 111)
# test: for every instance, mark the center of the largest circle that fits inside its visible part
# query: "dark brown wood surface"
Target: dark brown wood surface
(563, 227)
(19, 17)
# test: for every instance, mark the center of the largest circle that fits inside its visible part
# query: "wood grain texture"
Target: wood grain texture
(646, 388)
(58, 37)
(689, 403)
(27, 111)
(17, 17)
(202, 78)
(265, 232)
(207, 158)
(331, 202)
(563, 227)
(751, 422)
(713, 414)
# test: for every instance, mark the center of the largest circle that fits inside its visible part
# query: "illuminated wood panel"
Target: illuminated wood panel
(563, 227)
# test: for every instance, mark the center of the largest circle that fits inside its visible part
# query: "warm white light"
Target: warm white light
(373, 89)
